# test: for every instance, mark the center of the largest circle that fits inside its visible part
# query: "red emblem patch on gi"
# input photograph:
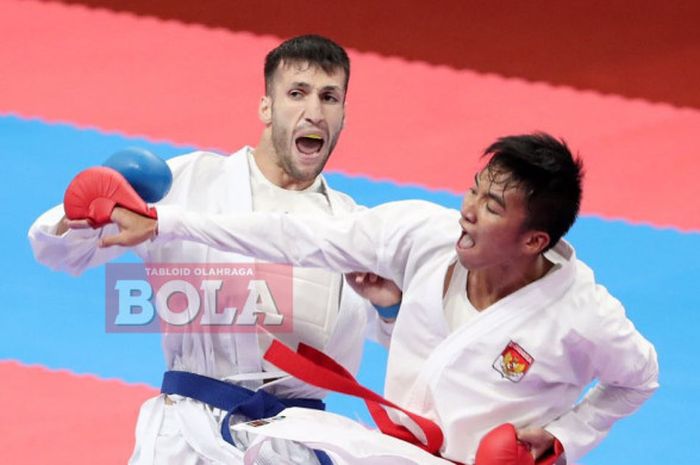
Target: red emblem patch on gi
(513, 362)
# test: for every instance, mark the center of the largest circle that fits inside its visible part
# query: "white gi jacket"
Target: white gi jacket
(568, 328)
(215, 184)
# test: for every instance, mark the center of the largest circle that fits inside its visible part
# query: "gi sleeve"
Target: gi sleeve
(73, 251)
(379, 240)
(378, 330)
(626, 366)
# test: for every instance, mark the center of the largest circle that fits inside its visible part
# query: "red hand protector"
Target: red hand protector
(93, 194)
(500, 446)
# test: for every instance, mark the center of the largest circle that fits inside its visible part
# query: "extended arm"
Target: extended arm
(379, 240)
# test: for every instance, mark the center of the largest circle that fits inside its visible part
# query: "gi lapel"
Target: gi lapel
(510, 311)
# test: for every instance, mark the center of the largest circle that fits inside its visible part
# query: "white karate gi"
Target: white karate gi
(572, 329)
(183, 430)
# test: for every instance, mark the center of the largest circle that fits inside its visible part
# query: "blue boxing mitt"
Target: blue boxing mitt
(149, 175)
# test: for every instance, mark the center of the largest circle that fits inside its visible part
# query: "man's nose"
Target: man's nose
(469, 210)
(313, 111)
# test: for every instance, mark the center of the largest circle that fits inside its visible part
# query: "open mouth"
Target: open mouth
(309, 144)
(465, 241)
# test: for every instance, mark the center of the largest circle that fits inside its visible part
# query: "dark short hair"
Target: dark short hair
(548, 174)
(312, 49)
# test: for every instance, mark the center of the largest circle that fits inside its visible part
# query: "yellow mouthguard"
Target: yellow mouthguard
(314, 136)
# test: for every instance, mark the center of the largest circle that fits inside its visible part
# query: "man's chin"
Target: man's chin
(309, 167)
(305, 173)
(465, 259)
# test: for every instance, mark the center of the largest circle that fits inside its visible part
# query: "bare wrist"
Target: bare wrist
(61, 226)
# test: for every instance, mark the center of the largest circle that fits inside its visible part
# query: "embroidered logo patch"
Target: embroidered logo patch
(513, 362)
(264, 421)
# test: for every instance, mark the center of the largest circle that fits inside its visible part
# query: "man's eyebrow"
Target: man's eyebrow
(499, 200)
(334, 88)
(306, 85)
(303, 84)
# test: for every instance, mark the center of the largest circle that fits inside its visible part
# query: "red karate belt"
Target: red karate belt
(500, 446)
(316, 368)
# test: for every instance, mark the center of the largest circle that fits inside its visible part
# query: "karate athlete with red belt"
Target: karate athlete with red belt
(499, 323)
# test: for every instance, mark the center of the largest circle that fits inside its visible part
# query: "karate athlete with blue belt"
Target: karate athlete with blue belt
(214, 375)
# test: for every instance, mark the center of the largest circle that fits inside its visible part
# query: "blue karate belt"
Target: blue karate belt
(233, 399)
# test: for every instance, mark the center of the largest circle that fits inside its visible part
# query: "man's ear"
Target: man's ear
(265, 110)
(535, 242)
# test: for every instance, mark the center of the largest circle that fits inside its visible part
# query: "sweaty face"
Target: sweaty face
(493, 218)
(307, 112)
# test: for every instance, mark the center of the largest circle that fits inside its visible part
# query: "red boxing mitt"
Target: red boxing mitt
(500, 446)
(93, 194)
